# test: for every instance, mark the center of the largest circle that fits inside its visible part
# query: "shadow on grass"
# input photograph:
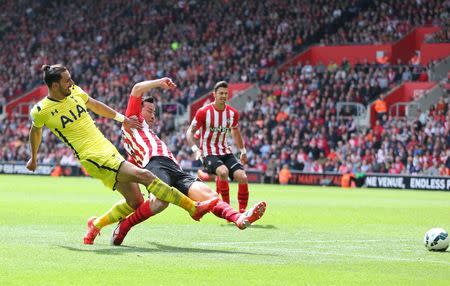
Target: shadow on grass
(176, 249)
(262, 226)
(157, 248)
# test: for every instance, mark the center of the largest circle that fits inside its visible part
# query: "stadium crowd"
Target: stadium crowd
(293, 123)
(297, 124)
(442, 36)
(389, 20)
(237, 40)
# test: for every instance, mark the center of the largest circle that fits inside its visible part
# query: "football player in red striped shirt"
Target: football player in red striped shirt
(147, 150)
(215, 121)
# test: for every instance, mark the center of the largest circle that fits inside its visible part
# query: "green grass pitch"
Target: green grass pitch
(308, 236)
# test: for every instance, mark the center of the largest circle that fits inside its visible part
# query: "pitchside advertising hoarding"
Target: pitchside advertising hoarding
(298, 178)
(10, 168)
(408, 182)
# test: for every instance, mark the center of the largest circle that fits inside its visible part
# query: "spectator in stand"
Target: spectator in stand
(285, 175)
(442, 36)
(415, 60)
(386, 21)
(380, 107)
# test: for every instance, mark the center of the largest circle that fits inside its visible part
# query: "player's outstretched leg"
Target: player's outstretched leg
(149, 208)
(128, 172)
(252, 215)
(119, 211)
(199, 191)
(92, 231)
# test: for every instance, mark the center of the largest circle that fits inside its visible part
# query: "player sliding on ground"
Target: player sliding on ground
(65, 112)
(147, 150)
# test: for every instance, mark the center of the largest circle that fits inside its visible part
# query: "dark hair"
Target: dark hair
(220, 84)
(52, 73)
(148, 98)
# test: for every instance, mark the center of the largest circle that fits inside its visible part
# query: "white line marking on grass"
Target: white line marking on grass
(246, 245)
(291, 241)
(367, 256)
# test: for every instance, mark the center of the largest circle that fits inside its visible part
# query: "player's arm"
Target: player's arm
(237, 137)
(192, 142)
(142, 87)
(104, 110)
(35, 140)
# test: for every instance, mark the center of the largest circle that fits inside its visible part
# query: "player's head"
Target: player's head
(57, 78)
(221, 92)
(148, 110)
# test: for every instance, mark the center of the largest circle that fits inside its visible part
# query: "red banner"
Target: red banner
(403, 49)
(406, 92)
(233, 88)
(31, 97)
(430, 52)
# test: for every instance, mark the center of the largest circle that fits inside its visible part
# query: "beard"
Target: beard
(65, 92)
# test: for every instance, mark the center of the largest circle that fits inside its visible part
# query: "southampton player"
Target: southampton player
(215, 120)
(146, 150)
(65, 112)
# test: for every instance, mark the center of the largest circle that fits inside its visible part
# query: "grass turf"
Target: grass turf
(308, 236)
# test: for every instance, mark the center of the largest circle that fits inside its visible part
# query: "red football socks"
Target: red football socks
(223, 188)
(142, 213)
(224, 210)
(242, 197)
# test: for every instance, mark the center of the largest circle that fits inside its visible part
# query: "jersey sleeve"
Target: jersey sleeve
(37, 117)
(199, 119)
(134, 106)
(235, 119)
(197, 134)
(78, 91)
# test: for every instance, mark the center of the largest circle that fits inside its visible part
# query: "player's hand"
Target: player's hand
(132, 122)
(244, 159)
(198, 155)
(32, 165)
(167, 83)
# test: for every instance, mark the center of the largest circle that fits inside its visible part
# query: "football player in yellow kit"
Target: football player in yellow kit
(65, 112)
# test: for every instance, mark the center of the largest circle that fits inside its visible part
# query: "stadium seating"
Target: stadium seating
(295, 122)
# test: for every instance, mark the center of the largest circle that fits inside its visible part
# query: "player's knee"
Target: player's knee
(135, 202)
(241, 177)
(222, 172)
(145, 176)
(209, 194)
(158, 206)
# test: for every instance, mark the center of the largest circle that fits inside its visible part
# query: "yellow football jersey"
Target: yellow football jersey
(70, 120)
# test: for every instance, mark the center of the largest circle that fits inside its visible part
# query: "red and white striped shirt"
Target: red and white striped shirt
(142, 145)
(214, 125)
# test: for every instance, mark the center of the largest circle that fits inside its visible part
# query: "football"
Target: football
(436, 239)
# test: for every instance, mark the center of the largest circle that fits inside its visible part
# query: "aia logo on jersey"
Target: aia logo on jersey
(74, 116)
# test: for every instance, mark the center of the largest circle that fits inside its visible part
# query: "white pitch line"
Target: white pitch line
(290, 241)
(374, 257)
(246, 245)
